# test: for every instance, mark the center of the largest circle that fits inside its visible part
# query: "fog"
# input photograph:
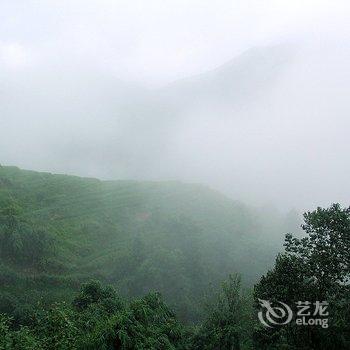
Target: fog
(248, 97)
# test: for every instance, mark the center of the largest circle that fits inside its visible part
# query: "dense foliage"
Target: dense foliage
(229, 321)
(313, 268)
(58, 232)
(97, 319)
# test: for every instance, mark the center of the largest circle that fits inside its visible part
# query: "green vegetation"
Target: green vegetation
(87, 264)
(313, 268)
(59, 231)
(99, 319)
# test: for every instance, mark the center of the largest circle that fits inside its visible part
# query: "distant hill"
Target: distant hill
(252, 127)
(115, 129)
(236, 83)
(139, 236)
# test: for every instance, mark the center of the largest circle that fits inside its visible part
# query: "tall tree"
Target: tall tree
(314, 268)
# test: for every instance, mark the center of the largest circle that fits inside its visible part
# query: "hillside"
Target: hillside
(58, 231)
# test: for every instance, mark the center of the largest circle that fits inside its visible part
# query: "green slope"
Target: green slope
(140, 236)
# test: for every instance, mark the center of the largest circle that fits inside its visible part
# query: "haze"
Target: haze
(248, 97)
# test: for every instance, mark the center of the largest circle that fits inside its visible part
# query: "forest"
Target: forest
(90, 264)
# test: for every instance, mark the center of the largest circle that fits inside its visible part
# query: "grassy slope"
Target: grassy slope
(173, 237)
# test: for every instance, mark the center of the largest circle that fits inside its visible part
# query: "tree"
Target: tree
(94, 292)
(313, 268)
(21, 242)
(326, 249)
(149, 324)
(58, 328)
(21, 339)
(228, 325)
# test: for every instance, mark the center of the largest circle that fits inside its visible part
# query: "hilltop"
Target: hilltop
(172, 237)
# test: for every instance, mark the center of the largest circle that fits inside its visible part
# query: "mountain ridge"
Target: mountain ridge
(139, 236)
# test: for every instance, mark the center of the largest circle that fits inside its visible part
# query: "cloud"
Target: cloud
(132, 89)
(158, 41)
(14, 55)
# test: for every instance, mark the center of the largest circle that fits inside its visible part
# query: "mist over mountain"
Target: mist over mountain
(251, 127)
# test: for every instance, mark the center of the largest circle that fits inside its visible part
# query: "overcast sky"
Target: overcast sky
(156, 41)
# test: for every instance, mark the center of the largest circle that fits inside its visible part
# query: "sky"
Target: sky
(154, 42)
(249, 97)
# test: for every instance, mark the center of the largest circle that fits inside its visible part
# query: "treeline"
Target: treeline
(98, 318)
(58, 231)
(314, 268)
(21, 243)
